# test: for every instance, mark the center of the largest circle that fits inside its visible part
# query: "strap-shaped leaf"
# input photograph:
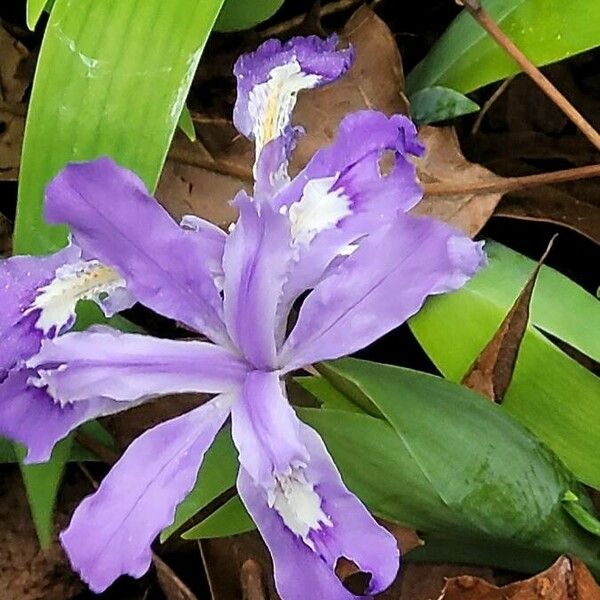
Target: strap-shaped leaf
(111, 79)
(550, 393)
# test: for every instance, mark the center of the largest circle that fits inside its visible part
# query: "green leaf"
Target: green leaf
(242, 14)
(324, 391)
(454, 328)
(466, 57)
(109, 80)
(230, 519)
(186, 124)
(581, 514)
(217, 474)
(35, 8)
(454, 466)
(438, 104)
(42, 483)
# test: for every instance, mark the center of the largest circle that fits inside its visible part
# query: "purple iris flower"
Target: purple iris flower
(337, 236)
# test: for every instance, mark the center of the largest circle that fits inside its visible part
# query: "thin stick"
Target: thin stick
(326, 10)
(483, 18)
(508, 184)
(489, 103)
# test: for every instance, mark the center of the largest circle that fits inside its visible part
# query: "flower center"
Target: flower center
(298, 504)
(319, 208)
(271, 103)
(90, 280)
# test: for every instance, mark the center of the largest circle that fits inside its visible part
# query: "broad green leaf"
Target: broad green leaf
(42, 483)
(330, 396)
(109, 80)
(217, 474)
(453, 465)
(35, 8)
(454, 328)
(466, 57)
(434, 104)
(230, 519)
(112, 78)
(242, 14)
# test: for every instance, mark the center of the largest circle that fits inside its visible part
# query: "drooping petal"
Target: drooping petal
(30, 416)
(111, 531)
(39, 295)
(269, 79)
(343, 194)
(257, 255)
(125, 367)
(265, 429)
(378, 287)
(114, 219)
(311, 522)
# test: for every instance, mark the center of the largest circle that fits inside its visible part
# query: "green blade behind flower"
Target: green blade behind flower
(111, 79)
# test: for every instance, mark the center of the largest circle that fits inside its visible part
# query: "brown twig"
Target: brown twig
(507, 184)
(489, 103)
(483, 18)
(328, 9)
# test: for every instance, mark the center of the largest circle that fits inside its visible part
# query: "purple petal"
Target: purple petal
(342, 196)
(265, 429)
(111, 531)
(39, 296)
(115, 220)
(347, 530)
(30, 416)
(126, 367)
(20, 279)
(257, 255)
(380, 286)
(269, 79)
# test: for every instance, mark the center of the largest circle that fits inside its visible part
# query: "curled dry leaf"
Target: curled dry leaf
(492, 371)
(567, 579)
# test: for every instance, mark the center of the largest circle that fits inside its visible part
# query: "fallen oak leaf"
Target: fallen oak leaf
(443, 162)
(492, 371)
(567, 579)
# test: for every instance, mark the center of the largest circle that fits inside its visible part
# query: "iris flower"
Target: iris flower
(334, 244)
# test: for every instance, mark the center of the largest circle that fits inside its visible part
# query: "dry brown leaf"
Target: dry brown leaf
(444, 163)
(567, 579)
(577, 209)
(15, 77)
(252, 581)
(426, 581)
(15, 68)
(224, 560)
(173, 588)
(203, 177)
(492, 371)
(26, 572)
(376, 81)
